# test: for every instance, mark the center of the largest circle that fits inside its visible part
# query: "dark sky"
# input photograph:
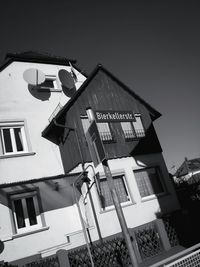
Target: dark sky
(152, 46)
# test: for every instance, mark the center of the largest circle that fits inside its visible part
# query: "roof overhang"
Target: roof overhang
(52, 126)
(35, 57)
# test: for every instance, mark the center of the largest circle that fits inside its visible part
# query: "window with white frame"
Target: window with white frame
(26, 212)
(149, 181)
(103, 128)
(120, 187)
(104, 131)
(133, 129)
(128, 130)
(13, 138)
(138, 126)
(49, 83)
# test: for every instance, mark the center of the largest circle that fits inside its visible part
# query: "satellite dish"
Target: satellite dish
(34, 76)
(66, 79)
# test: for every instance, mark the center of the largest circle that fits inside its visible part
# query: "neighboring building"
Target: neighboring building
(189, 171)
(133, 151)
(37, 208)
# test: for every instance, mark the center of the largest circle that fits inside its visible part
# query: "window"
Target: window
(138, 126)
(103, 127)
(49, 83)
(133, 129)
(104, 131)
(13, 138)
(149, 181)
(121, 190)
(26, 212)
(128, 130)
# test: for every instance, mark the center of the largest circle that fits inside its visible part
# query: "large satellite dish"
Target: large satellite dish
(34, 76)
(66, 79)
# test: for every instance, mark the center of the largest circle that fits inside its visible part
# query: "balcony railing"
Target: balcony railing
(55, 112)
(140, 133)
(129, 134)
(106, 136)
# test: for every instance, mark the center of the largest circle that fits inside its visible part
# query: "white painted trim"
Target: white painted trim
(17, 155)
(44, 228)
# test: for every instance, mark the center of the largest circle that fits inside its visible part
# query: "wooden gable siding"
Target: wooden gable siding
(104, 93)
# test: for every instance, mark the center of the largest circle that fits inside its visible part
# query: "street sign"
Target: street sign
(95, 145)
(113, 116)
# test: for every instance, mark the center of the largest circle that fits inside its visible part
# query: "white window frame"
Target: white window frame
(55, 87)
(137, 123)
(125, 203)
(136, 128)
(104, 139)
(28, 227)
(128, 134)
(154, 195)
(11, 125)
(106, 136)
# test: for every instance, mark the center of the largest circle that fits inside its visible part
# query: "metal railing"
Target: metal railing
(106, 136)
(140, 133)
(55, 112)
(187, 258)
(130, 134)
(191, 260)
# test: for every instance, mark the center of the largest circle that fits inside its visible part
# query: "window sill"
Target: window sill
(17, 155)
(48, 89)
(31, 232)
(111, 208)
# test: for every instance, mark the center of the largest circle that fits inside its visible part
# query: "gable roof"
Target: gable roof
(154, 113)
(188, 166)
(35, 57)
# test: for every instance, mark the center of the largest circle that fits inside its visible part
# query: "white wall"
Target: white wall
(140, 211)
(61, 222)
(16, 103)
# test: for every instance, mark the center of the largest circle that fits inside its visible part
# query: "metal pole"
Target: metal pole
(94, 213)
(116, 203)
(119, 212)
(92, 205)
(83, 226)
(76, 200)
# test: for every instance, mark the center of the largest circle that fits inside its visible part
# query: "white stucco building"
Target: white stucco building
(40, 161)
(25, 156)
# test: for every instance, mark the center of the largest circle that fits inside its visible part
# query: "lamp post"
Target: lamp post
(82, 220)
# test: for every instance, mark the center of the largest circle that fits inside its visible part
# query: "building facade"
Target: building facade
(32, 172)
(131, 147)
(43, 153)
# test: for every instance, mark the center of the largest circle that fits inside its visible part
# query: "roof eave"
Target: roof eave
(154, 113)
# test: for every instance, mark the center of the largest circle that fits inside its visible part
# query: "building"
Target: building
(32, 173)
(189, 171)
(125, 124)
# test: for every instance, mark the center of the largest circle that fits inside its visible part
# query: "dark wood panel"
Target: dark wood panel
(104, 93)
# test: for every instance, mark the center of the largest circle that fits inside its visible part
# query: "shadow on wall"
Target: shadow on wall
(69, 92)
(1, 246)
(40, 94)
(52, 194)
(148, 144)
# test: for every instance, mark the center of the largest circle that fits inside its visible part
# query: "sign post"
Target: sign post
(114, 196)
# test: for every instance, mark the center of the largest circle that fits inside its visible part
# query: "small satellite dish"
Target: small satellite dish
(66, 79)
(34, 76)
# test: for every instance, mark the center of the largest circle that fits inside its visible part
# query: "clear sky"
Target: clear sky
(152, 46)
